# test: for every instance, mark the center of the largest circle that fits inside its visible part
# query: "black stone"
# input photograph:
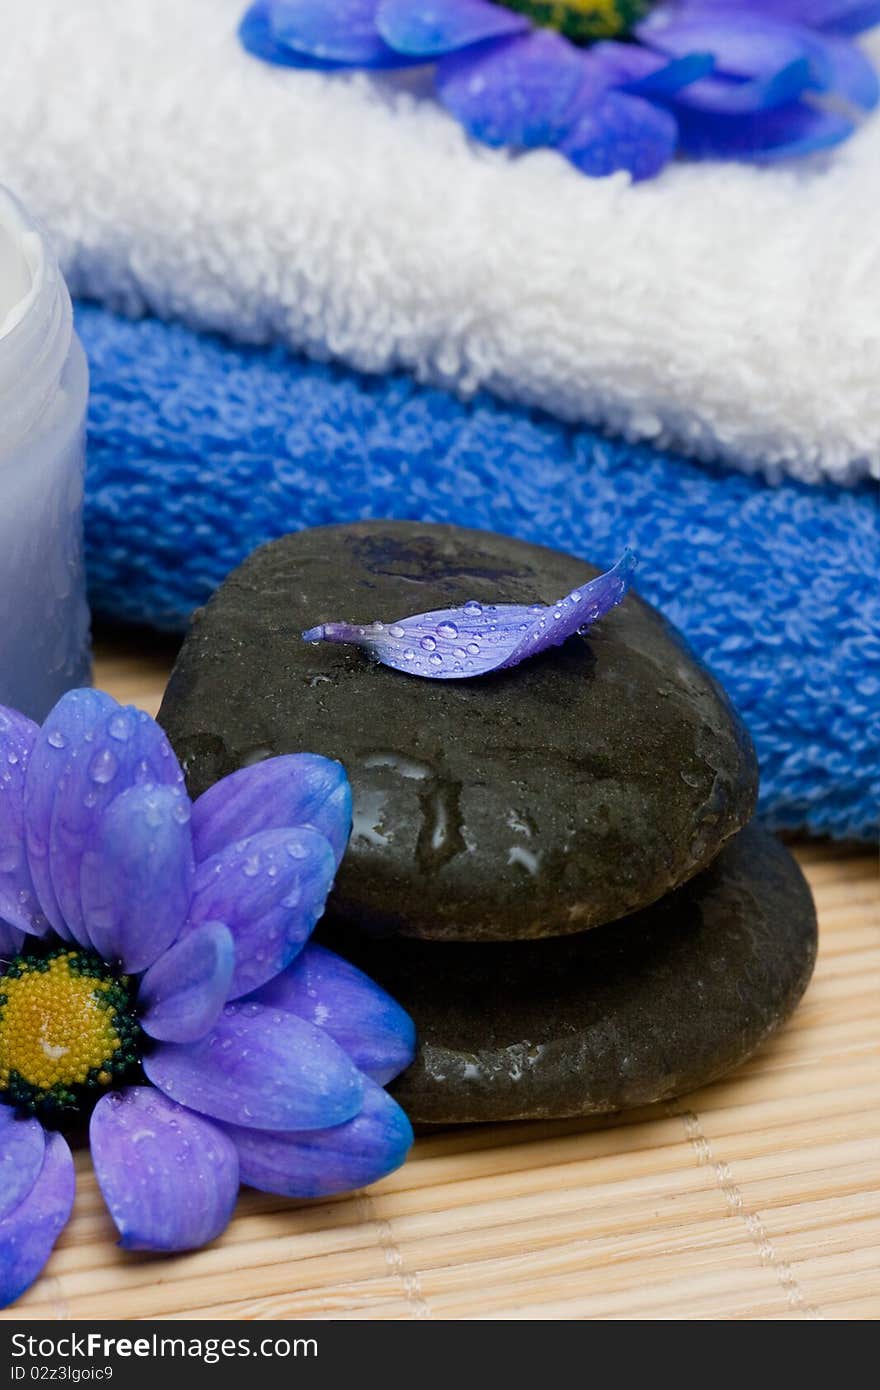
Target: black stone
(569, 791)
(630, 1013)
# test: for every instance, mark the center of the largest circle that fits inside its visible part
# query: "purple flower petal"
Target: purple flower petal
(430, 28)
(257, 37)
(88, 751)
(262, 1069)
(641, 72)
(327, 1161)
(18, 899)
(515, 91)
(762, 136)
(617, 131)
(270, 891)
(834, 16)
(183, 994)
(11, 941)
(169, 1178)
(298, 789)
(137, 876)
(456, 643)
(327, 991)
(22, 1149)
(732, 96)
(343, 32)
(30, 1230)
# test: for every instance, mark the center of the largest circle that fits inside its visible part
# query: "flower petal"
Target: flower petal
(743, 45)
(30, 1230)
(617, 132)
(327, 1161)
(138, 874)
(297, 789)
(321, 987)
(262, 1069)
(430, 28)
(18, 899)
(183, 994)
(344, 32)
(88, 751)
(270, 891)
(834, 16)
(762, 136)
(22, 1149)
(257, 38)
(11, 941)
(457, 643)
(515, 91)
(731, 95)
(169, 1177)
(642, 72)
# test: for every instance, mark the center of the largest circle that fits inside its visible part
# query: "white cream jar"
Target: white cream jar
(44, 620)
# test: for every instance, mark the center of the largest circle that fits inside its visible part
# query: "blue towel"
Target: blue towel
(199, 451)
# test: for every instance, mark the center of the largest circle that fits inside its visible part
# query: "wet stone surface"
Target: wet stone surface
(563, 793)
(625, 1015)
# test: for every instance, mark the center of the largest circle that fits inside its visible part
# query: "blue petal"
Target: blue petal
(514, 91)
(270, 891)
(327, 1161)
(327, 991)
(18, 899)
(262, 1069)
(137, 877)
(11, 941)
(343, 32)
(30, 1230)
(88, 751)
(169, 1178)
(430, 28)
(457, 643)
(257, 37)
(22, 1148)
(852, 75)
(834, 16)
(734, 96)
(641, 72)
(183, 994)
(298, 789)
(742, 45)
(616, 132)
(763, 136)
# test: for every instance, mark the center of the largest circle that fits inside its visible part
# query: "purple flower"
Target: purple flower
(457, 643)
(155, 971)
(612, 84)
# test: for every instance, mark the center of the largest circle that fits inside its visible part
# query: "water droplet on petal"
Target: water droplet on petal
(396, 632)
(119, 727)
(473, 609)
(436, 659)
(428, 644)
(409, 654)
(251, 867)
(447, 630)
(459, 652)
(57, 739)
(474, 648)
(103, 767)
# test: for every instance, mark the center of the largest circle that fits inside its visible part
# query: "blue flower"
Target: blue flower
(612, 84)
(155, 973)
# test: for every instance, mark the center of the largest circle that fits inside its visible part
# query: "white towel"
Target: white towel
(727, 311)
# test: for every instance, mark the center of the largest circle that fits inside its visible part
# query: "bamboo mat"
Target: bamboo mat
(756, 1197)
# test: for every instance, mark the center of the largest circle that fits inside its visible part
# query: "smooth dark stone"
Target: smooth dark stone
(630, 1013)
(566, 792)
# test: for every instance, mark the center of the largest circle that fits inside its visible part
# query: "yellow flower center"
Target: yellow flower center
(66, 1029)
(584, 21)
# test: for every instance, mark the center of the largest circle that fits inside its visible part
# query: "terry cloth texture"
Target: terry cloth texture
(200, 451)
(723, 310)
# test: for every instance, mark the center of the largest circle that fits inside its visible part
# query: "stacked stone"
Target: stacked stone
(553, 867)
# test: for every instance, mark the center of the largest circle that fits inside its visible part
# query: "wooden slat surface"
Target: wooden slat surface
(754, 1198)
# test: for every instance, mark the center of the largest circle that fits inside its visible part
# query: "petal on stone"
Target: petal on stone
(516, 92)
(457, 643)
(19, 906)
(182, 995)
(296, 789)
(261, 1068)
(321, 987)
(169, 1177)
(430, 28)
(270, 891)
(29, 1231)
(22, 1148)
(137, 876)
(327, 1161)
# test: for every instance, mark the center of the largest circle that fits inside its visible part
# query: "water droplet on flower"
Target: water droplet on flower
(447, 630)
(251, 867)
(396, 631)
(103, 767)
(474, 648)
(378, 627)
(473, 609)
(459, 652)
(181, 812)
(57, 739)
(436, 659)
(12, 757)
(409, 654)
(536, 608)
(557, 615)
(10, 857)
(119, 727)
(575, 595)
(428, 644)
